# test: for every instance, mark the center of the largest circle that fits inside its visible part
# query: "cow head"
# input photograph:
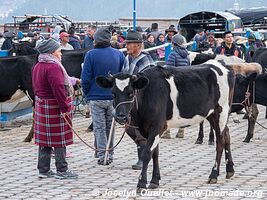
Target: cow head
(124, 87)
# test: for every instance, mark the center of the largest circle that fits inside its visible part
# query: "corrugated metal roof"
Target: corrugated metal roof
(227, 15)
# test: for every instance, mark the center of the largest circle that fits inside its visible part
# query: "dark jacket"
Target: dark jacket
(152, 53)
(88, 43)
(224, 50)
(7, 44)
(74, 42)
(135, 65)
(178, 57)
(100, 62)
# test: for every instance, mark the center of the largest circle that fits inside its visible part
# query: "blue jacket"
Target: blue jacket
(178, 57)
(100, 62)
(88, 43)
(74, 42)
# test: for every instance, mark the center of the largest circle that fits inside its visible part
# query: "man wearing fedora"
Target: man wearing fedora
(169, 33)
(136, 61)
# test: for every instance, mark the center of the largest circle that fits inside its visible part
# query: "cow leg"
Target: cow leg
(211, 136)
(154, 183)
(152, 143)
(228, 155)
(200, 133)
(29, 136)
(251, 122)
(214, 120)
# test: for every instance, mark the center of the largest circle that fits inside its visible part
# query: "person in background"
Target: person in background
(56, 32)
(120, 37)
(20, 35)
(169, 33)
(64, 38)
(2, 39)
(136, 61)
(228, 46)
(253, 45)
(88, 42)
(211, 42)
(155, 30)
(101, 61)
(149, 43)
(8, 43)
(179, 57)
(200, 38)
(38, 38)
(161, 51)
(53, 108)
(73, 40)
(114, 41)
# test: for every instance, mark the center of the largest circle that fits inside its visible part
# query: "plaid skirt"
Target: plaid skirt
(50, 128)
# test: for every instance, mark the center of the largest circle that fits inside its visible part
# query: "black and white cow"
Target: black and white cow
(174, 97)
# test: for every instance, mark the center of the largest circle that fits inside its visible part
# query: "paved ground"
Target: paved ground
(185, 168)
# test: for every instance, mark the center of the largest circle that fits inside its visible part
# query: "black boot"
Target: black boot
(139, 164)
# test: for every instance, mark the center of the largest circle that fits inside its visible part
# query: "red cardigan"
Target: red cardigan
(48, 83)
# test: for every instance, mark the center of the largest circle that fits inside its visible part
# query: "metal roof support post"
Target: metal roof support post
(134, 14)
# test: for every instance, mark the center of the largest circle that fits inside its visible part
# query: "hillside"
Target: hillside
(113, 9)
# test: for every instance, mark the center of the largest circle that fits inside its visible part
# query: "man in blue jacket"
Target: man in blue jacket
(179, 56)
(100, 61)
(88, 42)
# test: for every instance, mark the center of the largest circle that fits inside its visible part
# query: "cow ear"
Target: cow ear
(104, 82)
(252, 77)
(140, 82)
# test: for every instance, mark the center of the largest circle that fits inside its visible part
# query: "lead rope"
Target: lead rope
(127, 125)
(88, 145)
(246, 104)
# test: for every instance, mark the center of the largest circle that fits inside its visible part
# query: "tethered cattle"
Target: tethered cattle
(180, 97)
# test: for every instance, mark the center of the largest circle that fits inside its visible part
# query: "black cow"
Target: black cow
(242, 84)
(16, 74)
(174, 96)
(260, 56)
(257, 89)
(23, 49)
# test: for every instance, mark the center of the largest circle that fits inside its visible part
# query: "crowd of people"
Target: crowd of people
(54, 88)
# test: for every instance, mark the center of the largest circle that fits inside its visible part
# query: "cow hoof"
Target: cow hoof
(212, 180)
(139, 190)
(247, 140)
(236, 121)
(229, 175)
(153, 186)
(199, 141)
(211, 143)
(27, 139)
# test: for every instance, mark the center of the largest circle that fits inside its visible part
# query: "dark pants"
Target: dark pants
(44, 159)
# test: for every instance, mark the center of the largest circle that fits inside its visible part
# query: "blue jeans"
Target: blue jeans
(101, 111)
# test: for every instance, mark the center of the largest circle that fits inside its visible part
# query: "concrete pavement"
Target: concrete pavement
(185, 168)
